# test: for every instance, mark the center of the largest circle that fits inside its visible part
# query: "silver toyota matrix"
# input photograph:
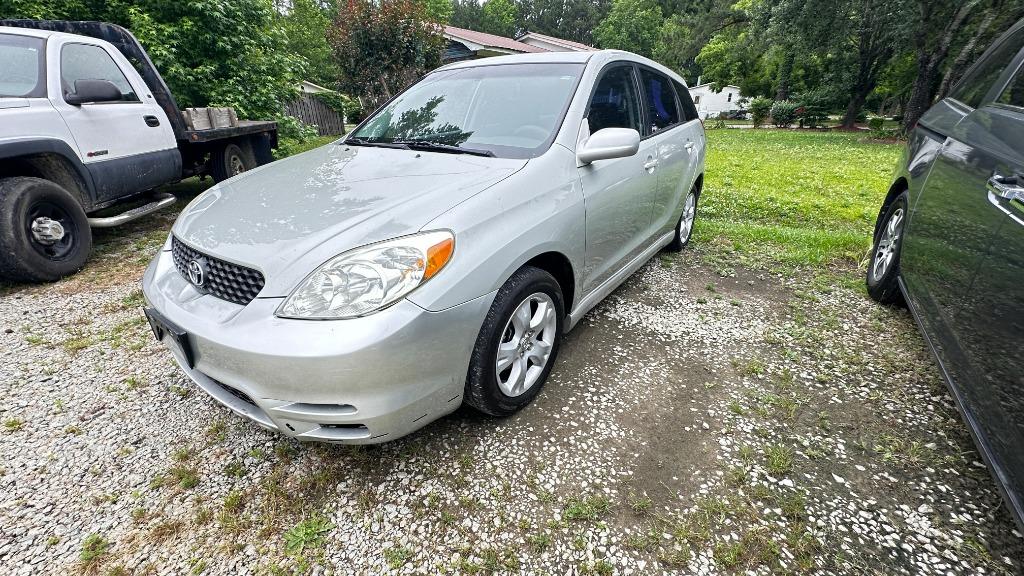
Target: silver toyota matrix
(434, 256)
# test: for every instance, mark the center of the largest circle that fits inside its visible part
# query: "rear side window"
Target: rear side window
(615, 103)
(689, 110)
(660, 100)
(971, 90)
(90, 62)
(21, 67)
(1013, 95)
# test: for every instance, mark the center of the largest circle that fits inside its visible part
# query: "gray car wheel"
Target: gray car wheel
(684, 228)
(517, 344)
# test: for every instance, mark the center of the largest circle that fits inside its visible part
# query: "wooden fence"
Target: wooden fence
(311, 110)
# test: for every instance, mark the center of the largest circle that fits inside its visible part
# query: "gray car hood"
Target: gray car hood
(290, 216)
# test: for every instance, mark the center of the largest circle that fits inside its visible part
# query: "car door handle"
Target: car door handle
(1007, 194)
(151, 121)
(650, 165)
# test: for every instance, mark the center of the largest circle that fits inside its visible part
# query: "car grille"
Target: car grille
(224, 280)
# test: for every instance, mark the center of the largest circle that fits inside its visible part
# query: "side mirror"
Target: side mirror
(89, 91)
(609, 143)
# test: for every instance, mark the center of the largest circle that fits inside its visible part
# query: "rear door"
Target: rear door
(128, 145)
(667, 130)
(991, 323)
(617, 192)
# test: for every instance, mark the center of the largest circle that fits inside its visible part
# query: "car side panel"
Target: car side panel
(540, 209)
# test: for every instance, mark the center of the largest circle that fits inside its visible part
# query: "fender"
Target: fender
(28, 147)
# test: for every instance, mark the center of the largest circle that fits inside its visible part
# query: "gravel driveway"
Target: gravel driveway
(694, 424)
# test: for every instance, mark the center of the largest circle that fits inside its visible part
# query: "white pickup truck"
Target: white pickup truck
(88, 124)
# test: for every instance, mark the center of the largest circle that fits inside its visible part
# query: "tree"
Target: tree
(305, 25)
(467, 14)
(630, 25)
(210, 53)
(381, 46)
(499, 17)
(936, 24)
(439, 11)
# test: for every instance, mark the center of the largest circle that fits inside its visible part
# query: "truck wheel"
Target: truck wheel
(44, 234)
(230, 160)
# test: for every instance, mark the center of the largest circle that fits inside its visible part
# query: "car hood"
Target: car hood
(288, 217)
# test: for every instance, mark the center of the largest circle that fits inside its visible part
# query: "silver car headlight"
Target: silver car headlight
(366, 279)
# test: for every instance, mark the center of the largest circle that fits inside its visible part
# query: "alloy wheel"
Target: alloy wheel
(526, 344)
(888, 244)
(686, 221)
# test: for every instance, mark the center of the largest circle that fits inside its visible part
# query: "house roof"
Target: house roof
(706, 84)
(558, 41)
(491, 41)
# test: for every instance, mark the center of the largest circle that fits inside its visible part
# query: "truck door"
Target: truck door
(127, 145)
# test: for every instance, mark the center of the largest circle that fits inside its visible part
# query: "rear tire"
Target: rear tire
(231, 160)
(884, 267)
(528, 344)
(44, 233)
(684, 228)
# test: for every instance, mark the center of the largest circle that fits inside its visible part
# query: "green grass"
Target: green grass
(793, 198)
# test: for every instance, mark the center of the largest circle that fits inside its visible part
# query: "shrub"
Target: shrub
(876, 124)
(759, 109)
(813, 109)
(292, 134)
(784, 113)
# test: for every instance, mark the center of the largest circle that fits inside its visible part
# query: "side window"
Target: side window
(89, 62)
(615, 103)
(1013, 95)
(973, 87)
(689, 110)
(660, 101)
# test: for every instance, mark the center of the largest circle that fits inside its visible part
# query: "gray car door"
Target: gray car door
(617, 192)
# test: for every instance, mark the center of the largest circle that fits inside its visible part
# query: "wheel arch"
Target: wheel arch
(51, 160)
(559, 266)
(898, 187)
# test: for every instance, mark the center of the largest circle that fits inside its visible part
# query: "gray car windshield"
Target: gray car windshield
(21, 66)
(510, 111)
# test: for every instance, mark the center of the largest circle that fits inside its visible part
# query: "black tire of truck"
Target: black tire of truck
(231, 159)
(44, 233)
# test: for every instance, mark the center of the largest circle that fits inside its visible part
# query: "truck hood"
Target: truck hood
(288, 217)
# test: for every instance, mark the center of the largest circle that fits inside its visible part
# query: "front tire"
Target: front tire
(884, 266)
(517, 344)
(684, 228)
(44, 233)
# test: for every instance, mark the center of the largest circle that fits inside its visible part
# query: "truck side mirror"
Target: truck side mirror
(90, 91)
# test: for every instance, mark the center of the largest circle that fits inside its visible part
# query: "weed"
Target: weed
(309, 533)
(590, 508)
(397, 557)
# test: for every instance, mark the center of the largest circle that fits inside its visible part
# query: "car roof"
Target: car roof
(26, 32)
(596, 57)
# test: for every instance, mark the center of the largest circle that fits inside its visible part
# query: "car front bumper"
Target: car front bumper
(360, 381)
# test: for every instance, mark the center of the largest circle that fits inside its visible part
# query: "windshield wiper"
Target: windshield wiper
(439, 147)
(362, 142)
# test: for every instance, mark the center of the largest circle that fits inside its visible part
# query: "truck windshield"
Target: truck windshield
(21, 67)
(509, 110)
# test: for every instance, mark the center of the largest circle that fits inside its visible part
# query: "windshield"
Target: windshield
(21, 66)
(510, 110)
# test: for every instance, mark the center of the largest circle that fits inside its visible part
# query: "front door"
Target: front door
(991, 322)
(127, 145)
(618, 193)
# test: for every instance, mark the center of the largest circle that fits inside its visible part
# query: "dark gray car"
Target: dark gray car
(949, 241)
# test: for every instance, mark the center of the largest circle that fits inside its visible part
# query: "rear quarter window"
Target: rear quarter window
(689, 110)
(21, 67)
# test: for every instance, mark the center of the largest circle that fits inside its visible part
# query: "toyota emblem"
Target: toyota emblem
(196, 273)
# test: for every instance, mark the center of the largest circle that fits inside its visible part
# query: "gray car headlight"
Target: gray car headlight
(369, 278)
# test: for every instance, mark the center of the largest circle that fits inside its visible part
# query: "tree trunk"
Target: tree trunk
(785, 75)
(966, 53)
(930, 58)
(853, 110)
